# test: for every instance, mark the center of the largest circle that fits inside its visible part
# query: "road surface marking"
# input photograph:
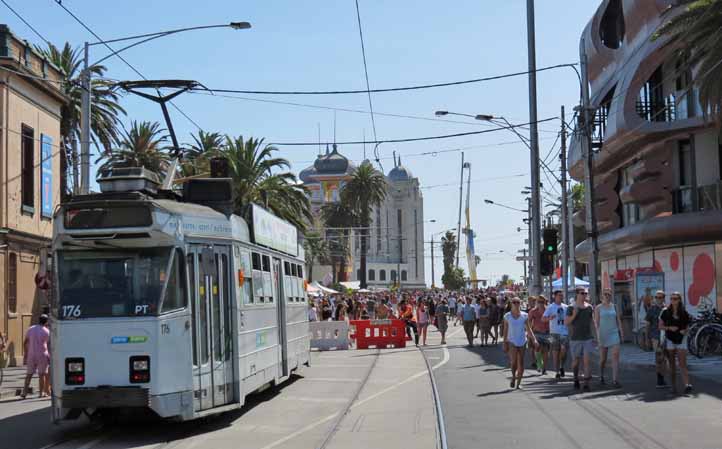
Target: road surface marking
(317, 423)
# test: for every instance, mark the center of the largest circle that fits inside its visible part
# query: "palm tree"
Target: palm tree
(448, 248)
(340, 218)
(365, 190)
(256, 180)
(143, 145)
(696, 32)
(316, 249)
(197, 154)
(105, 109)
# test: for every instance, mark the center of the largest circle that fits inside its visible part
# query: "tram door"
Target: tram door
(211, 328)
(281, 304)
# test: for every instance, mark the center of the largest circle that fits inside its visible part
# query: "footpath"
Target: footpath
(12, 382)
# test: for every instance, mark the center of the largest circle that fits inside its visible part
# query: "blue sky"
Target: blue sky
(314, 45)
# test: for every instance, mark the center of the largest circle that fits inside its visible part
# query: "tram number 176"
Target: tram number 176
(72, 311)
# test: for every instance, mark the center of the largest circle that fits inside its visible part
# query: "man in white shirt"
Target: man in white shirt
(554, 315)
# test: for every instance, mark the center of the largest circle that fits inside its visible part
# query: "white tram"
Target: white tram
(172, 304)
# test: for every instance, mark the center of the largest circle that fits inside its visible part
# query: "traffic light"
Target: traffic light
(546, 262)
(550, 240)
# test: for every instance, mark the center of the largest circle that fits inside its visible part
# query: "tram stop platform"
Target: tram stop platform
(394, 407)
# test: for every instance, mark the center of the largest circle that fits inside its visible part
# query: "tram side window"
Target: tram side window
(247, 281)
(257, 278)
(300, 283)
(287, 280)
(292, 287)
(267, 285)
(175, 297)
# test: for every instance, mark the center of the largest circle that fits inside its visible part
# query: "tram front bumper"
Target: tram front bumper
(106, 397)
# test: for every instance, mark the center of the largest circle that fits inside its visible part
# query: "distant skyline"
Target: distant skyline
(315, 46)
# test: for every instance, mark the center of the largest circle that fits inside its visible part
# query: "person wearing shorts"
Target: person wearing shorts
(653, 313)
(555, 314)
(674, 321)
(37, 356)
(516, 333)
(580, 321)
(541, 332)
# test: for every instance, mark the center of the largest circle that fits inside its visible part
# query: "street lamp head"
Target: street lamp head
(484, 117)
(525, 192)
(488, 201)
(441, 113)
(433, 220)
(240, 25)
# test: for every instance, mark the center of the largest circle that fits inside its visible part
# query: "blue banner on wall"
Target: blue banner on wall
(46, 179)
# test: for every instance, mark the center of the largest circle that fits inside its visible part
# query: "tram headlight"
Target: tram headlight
(139, 369)
(140, 365)
(75, 371)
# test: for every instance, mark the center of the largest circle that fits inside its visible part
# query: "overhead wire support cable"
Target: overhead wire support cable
(391, 89)
(366, 72)
(22, 19)
(413, 139)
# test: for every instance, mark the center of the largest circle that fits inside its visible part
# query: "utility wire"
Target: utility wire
(25, 22)
(392, 89)
(60, 3)
(413, 139)
(366, 71)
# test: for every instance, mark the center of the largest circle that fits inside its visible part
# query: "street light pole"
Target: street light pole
(461, 195)
(433, 275)
(534, 146)
(588, 158)
(85, 80)
(565, 222)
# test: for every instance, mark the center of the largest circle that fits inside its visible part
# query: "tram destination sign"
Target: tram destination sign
(273, 232)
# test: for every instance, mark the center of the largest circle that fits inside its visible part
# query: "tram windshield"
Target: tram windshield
(114, 283)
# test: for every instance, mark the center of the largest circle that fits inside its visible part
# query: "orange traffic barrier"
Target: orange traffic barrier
(379, 333)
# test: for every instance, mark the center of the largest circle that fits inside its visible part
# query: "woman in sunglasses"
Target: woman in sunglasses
(517, 331)
(674, 321)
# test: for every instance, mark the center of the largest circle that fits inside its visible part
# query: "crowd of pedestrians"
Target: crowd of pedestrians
(548, 331)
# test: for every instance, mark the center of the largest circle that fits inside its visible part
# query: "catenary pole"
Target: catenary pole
(565, 222)
(588, 158)
(535, 224)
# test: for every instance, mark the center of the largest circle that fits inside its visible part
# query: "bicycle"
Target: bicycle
(704, 335)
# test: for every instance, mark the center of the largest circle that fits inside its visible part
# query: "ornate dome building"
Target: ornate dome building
(396, 237)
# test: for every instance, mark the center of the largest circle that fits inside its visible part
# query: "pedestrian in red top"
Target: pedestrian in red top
(37, 356)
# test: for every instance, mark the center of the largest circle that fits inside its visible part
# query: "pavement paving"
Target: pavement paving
(13, 380)
(480, 409)
(394, 408)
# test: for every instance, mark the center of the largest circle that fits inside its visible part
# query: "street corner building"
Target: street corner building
(657, 163)
(31, 99)
(396, 237)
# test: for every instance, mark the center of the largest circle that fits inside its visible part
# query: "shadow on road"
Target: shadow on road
(637, 384)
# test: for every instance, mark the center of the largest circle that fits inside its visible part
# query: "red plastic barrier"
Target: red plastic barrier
(379, 333)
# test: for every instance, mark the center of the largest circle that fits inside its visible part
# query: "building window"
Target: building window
(372, 275)
(652, 104)
(378, 230)
(13, 283)
(27, 173)
(630, 211)
(684, 196)
(611, 27)
(404, 276)
(382, 275)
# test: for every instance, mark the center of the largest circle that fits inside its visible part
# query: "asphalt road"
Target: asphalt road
(481, 411)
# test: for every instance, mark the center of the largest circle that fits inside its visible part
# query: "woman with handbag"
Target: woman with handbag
(674, 321)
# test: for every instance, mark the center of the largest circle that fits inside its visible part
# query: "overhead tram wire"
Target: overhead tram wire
(60, 3)
(22, 19)
(356, 111)
(368, 86)
(412, 139)
(392, 89)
